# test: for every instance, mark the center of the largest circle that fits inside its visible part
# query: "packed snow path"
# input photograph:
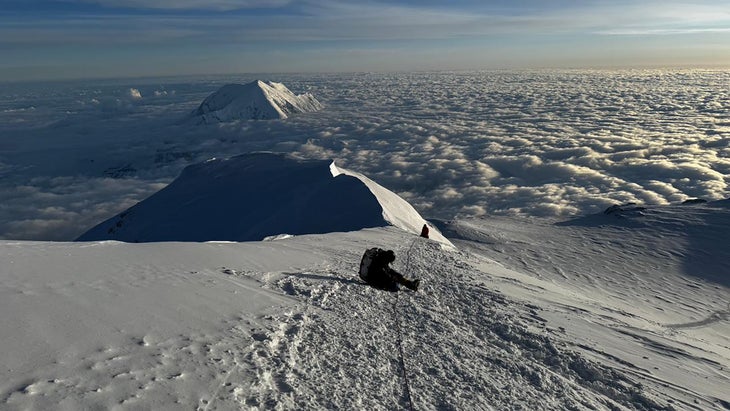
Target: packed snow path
(465, 345)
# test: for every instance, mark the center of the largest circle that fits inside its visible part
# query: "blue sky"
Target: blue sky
(54, 39)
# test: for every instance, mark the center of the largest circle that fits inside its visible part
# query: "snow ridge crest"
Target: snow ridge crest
(255, 196)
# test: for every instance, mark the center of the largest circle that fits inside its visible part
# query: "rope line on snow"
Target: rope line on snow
(408, 254)
(402, 361)
(399, 335)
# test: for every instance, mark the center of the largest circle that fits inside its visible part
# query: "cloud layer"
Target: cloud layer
(453, 144)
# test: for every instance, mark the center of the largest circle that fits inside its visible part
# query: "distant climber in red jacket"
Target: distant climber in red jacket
(424, 231)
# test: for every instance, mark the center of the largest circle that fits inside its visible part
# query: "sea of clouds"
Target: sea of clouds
(547, 143)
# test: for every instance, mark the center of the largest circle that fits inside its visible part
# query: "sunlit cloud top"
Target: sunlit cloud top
(103, 38)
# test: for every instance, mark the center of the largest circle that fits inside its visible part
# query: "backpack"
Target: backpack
(367, 259)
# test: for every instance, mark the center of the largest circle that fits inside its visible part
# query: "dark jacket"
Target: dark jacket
(375, 269)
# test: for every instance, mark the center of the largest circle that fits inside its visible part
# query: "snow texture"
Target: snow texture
(287, 324)
(257, 100)
(259, 195)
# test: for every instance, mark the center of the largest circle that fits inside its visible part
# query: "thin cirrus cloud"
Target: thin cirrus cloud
(233, 21)
(664, 32)
(217, 5)
(128, 38)
(671, 19)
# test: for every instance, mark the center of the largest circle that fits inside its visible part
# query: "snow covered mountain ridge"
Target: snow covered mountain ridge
(258, 195)
(257, 100)
(607, 312)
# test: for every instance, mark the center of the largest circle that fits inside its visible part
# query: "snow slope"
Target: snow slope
(257, 100)
(287, 325)
(259, 195)
(645, 289)
(620, 311)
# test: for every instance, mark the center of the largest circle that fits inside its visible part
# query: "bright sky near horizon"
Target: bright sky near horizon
(60, 39)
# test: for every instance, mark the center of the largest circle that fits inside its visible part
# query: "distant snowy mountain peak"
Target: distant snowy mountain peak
(257, 100)
(256, 196)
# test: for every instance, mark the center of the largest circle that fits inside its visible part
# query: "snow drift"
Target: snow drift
(258, 195)
(286, 325)
(606, 312)
(258, 100)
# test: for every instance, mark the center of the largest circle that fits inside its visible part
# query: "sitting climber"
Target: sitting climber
(375, 270)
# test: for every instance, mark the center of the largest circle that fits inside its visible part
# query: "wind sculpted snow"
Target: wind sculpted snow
(287, 325)
(648, 287)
